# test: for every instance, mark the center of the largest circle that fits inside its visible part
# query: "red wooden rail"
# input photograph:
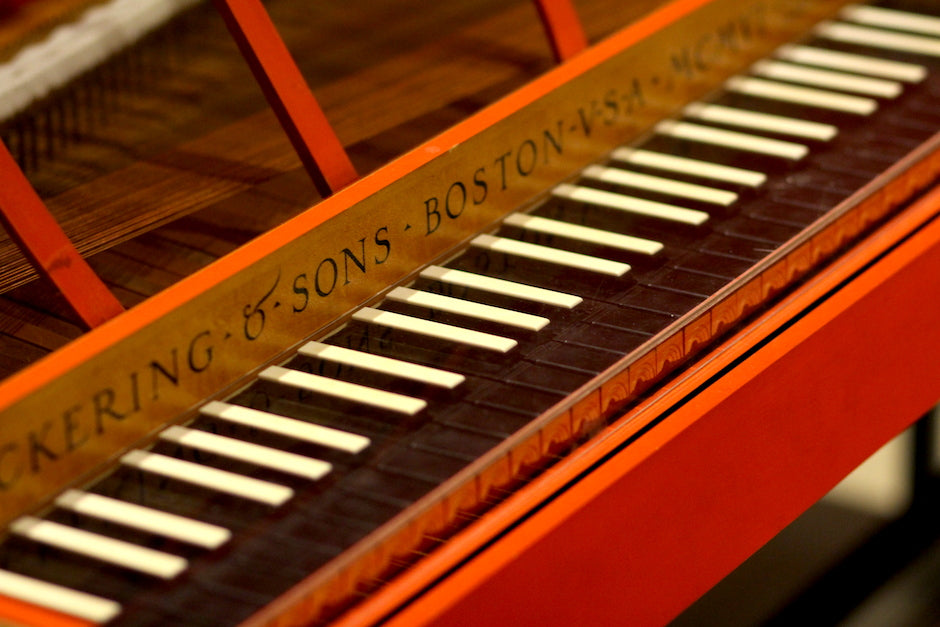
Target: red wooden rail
(31, 225)
(563, 28)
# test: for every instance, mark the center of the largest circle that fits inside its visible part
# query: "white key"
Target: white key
(58, 598)
(691, 167)
(208, 477)
(438, 330)
(757, 121)
(860, 64)
(389, 401)
(584, 234)
(265, 456)
(732, 139)
(890, 18)
(99, 547)
(147, 519)
(468, 308)
(550, 255)
(827, 79)
(661, 185)
(387, 365)
(501, 286)
(772, 90)
(290, 427)
(877, 38)
(629, 204)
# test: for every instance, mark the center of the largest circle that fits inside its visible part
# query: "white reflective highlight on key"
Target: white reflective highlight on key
(381, 399)
(248, 452)
(891, 18)
(550, 255)
(669, 187)
(146, 519)
(102, 548)
(827, 79)
(757, 121)
(584, 234)
(384, 365)
(630, 204)
(860, 64)
(501, 286)
(437, 330)
(289, 427)
(468, 308)
(772, 90)
(877, 38)
(732, 139)
(209, 478)
(691, 167)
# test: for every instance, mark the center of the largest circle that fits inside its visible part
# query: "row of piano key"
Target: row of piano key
(647, 203)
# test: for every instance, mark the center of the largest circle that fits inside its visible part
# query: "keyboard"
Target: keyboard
(335, 445)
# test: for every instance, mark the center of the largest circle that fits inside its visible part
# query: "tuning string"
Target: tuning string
(84, 105)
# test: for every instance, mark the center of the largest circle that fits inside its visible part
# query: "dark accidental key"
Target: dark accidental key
(661, 301)
(762, 231)
(783, 214)
(642, 321)
(711, 265)
(189, 603)
(816, 200)
(546, 377)
(449, 441)
(595, 336)
(812, 179)
(682, 282)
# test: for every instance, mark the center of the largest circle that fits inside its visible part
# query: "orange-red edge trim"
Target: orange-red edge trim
(27, 614)
(460, 583)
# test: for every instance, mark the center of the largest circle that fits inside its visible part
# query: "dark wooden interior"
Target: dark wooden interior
(168, 157)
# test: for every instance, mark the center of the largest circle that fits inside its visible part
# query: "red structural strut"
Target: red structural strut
(287, 92)
(563, 27)
(28, 221)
